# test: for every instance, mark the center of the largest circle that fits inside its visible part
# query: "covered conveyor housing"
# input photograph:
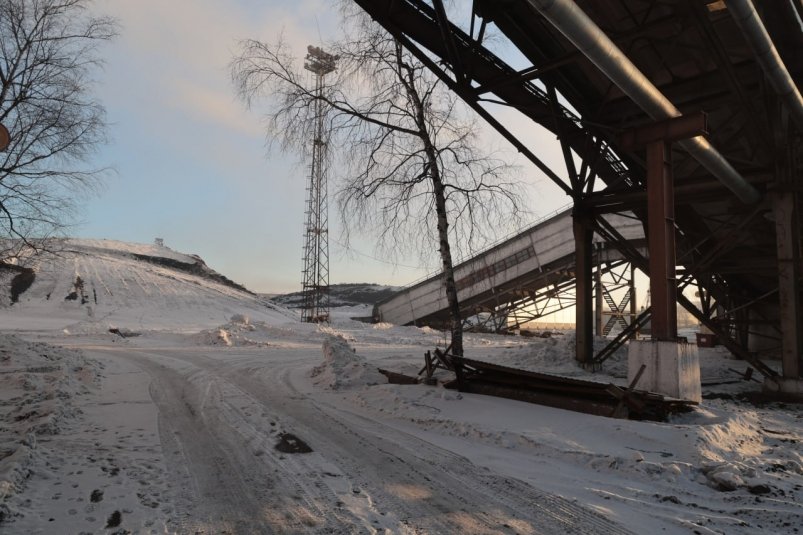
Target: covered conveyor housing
(541, 257)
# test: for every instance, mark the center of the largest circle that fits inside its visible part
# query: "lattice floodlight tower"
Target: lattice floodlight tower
(315, 284)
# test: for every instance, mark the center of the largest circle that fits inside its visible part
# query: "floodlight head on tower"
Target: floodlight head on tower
(318, 61)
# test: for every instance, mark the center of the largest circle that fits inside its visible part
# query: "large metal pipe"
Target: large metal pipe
(747, 19)
(589, 39)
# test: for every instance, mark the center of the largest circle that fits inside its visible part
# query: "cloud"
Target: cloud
(215, 106)
(201, 34)
(175, 55)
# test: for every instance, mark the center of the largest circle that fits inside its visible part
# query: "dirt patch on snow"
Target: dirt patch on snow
(289, 443)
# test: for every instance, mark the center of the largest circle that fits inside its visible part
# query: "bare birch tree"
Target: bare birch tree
(410, 152)
(47, 57)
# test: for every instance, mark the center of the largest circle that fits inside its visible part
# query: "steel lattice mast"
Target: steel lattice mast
(315, 284)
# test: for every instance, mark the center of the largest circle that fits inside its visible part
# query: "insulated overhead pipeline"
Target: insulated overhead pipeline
(747, 19)
(590, 40)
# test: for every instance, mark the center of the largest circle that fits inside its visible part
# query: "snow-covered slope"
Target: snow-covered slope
(94, 285)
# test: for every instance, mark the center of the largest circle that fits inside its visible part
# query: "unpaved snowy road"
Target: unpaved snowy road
(222, 412)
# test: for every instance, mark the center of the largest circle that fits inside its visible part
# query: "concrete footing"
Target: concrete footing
(673, 368)
(784, 386)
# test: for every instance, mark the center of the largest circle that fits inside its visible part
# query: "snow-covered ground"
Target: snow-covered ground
(209, 410)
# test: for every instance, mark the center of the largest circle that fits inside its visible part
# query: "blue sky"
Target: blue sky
(190, 162)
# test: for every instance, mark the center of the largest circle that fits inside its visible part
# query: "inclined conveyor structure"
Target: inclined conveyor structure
(535, 259)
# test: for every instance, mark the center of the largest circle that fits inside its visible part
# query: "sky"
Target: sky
(191, 164)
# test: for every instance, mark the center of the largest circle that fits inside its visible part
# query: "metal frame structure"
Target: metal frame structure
(520, 305)
(624, 64)
(315, 283)
(617, 280)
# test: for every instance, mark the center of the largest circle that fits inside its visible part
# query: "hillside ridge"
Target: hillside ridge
(100, 284)
(342, 294)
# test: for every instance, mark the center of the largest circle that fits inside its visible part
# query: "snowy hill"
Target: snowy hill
(94, 285)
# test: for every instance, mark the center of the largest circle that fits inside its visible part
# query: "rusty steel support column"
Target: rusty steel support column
(598, 295)
(661, 240)
(789, 272)
(656, 137)
(584, 319)
(633, 308)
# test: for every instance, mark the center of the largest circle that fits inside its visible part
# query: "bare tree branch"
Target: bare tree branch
(48, 52)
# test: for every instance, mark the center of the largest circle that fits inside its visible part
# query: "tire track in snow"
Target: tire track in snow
(218, 490)
(98, 279)
(428, 488)
(230, 477)
(311, 478)
(136, 275)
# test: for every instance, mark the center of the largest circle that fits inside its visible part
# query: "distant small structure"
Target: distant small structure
(159, 242)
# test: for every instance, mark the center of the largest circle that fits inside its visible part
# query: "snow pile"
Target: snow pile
(389, 334)
(343, 368)
(38, 387)
(738, 454)
(730, 468)
(215, 337)
(88, 328)
(240, 331)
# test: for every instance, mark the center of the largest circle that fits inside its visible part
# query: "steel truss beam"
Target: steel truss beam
(531, 305)
(486, 67)
(620, 313)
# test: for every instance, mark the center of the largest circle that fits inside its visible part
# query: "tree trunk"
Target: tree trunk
(439, 191)
(446, 253)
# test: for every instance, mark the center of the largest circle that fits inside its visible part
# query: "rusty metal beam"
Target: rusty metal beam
(788, 241)
(584, 313)
(612, 236)
(528, 74)
(668, 130)
(626, 334)
(564, 392)
(568, 157)
(598, 296)
(657, 137)
(687, 191)
(448, 39)
(725, 338)
(661, 238)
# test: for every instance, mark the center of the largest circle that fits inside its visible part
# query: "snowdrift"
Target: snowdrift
(343, 368)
